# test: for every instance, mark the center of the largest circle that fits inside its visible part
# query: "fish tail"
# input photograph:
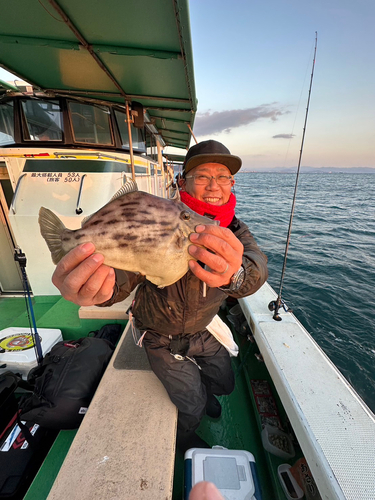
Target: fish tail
(51, 228)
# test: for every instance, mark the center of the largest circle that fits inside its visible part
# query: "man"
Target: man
(192, 365)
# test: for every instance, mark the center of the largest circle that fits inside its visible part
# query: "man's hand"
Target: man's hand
(205, 491)
(82, 277)
(225, 260)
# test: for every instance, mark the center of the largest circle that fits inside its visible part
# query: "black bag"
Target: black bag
(8, 402)
(21, 457)
(65, 383)
(109, 332)
(23, 445)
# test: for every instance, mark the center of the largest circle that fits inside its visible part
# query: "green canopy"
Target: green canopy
(117, 50)
(174, 158)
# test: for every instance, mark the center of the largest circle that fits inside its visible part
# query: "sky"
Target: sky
(253, 63)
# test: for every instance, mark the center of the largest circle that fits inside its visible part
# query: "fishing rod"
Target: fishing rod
(20, 257)
(275, 305)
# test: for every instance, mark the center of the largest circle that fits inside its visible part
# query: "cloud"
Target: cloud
(283, 136)
(224, 121)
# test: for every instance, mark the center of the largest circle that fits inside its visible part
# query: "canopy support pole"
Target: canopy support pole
(130, 140)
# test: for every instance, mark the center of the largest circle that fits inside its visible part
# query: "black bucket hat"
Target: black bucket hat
(211, 152)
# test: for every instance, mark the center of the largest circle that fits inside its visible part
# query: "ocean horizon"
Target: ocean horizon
(310, 170)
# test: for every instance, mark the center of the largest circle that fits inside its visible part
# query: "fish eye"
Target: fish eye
(185, 215)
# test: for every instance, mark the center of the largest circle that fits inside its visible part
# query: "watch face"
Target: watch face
(237, 279)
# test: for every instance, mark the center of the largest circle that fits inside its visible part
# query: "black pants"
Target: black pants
(187, 385)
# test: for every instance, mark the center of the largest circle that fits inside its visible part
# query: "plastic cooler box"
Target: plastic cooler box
(232, 471)
(17, 352)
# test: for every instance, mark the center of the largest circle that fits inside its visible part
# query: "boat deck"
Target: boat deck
(133, 398)
(336, 431)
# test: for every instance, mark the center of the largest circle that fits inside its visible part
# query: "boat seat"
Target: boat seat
(117, 311)
(125, 446)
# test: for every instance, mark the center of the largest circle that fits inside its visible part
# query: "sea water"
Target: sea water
(330, 273)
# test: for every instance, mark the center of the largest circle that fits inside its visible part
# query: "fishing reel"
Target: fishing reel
(20, 257)
(275, 305)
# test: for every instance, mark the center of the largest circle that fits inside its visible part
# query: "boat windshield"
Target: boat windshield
(91, 123)
(42, 119)
(69, 122)
(6, 123)
(137, 134)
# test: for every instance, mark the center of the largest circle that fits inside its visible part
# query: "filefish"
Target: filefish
(136, 231)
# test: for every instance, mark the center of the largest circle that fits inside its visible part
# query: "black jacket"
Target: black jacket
(181, 307)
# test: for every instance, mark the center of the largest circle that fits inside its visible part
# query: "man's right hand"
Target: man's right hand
(205, 491)
(82, 277)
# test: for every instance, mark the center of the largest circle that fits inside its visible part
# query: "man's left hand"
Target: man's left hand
(225, 260)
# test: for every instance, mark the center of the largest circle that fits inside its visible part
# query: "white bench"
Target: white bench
(117, 311)
(125, 446)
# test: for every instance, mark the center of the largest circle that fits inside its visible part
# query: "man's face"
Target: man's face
(211, 193)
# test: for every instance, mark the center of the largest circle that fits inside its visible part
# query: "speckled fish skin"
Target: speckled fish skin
(136, 232)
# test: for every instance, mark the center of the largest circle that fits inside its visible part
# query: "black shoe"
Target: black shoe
(187, 440)
(213, 407)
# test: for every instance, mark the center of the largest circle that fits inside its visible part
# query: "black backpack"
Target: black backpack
(64, 384)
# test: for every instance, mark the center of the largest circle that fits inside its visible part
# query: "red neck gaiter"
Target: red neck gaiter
(222, 213)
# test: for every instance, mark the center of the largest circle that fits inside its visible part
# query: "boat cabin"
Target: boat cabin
(71, 155)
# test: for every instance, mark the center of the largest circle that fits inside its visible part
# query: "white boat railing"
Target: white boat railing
(335, 428)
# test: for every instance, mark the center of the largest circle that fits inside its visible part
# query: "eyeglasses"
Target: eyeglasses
(205, 180)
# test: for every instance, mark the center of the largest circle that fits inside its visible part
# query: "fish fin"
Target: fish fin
(176, 195)
(180, 238)
(129, 187)
(85, 219)
(51, 228)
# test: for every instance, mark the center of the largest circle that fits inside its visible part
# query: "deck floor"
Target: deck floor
(237, 428)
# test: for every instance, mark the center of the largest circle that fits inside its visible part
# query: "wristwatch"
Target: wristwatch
(235, 281)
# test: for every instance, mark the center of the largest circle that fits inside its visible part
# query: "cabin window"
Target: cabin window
(152, 151)
(137, 133)
(42, 120)
(91, 123)
(6, 123)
